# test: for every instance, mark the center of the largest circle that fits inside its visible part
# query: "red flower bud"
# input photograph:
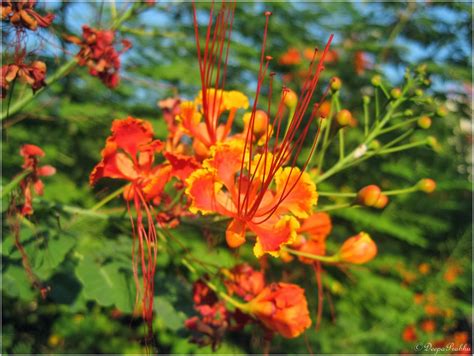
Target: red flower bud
(358, 249)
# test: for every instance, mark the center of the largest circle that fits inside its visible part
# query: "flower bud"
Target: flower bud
(344, 117)
(424, 122)
(442, 111)
(366, 99)
(408, 112)
(376, 80)
(369, 195)
(325, 109)
(260, 124)
(419, 92)
(358, 249)
(291, 99)
(381, 202)
(336, 84)
(375, 145)
(235, 233)
(282, 308)
(427, 185)
(396, 93)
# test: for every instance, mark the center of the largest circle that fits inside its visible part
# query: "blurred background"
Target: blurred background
(417, 290)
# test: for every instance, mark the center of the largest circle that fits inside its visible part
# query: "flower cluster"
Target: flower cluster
(33, 74)
(99, 54)
(22, 14)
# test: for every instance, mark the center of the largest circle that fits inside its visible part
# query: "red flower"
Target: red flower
(31, 154)
(99, 55)
(244, 281)
(282, 308)
(129, 155)
(22, 14)
(290, 57)
(33, 74)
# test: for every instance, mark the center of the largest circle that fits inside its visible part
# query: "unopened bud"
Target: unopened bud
(396, 93)
(424, 122)
(376, 80)
(336, 84)
(375, 145)
(358, 249)
(419, 92)
(366, 99)
(344, 117)
(291, 99)
(369, 195)
(408, 112)
(381, 202)
(442, 111)
(235, 234)
(427, 185)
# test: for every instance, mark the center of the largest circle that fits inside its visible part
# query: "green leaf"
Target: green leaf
(168, 315)
(107, 283)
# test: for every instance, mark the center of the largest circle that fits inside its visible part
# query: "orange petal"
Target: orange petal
(202, 189)
(317, 226)
(302, 196)
(155, 185)
(226, 160)
(31, 150)
(131, 133)
(182, 165)
(46, 171)
(235, 233)
(273, 234)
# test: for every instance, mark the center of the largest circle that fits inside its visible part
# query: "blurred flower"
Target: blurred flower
(409, 334)
(282, 308)
(21, 14)
(31, 155)
(99, 55)
(244, 281)
(291, 57)
(33, 74)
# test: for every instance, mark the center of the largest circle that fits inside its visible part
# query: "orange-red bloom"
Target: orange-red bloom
(291, 57)
(22, 14)
(282, 308)
(33, 74)
(244, 281)
(99, 55)
(222, 187)
(31, 155)
(129, 155)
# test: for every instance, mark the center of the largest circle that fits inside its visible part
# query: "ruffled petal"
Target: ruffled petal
(317, 226)
(272, 236)
(130, 134)
(182, 165)
(202, 190)
(302, 196)
(154, 185)
(226, 160)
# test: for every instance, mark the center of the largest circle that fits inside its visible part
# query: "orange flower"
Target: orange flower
(360, 62)
(428, 326)
(282, 308)
(409, 334)
(129, 155)
(358, 249)
(244, 281)
(222, 187)
(290, 57)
